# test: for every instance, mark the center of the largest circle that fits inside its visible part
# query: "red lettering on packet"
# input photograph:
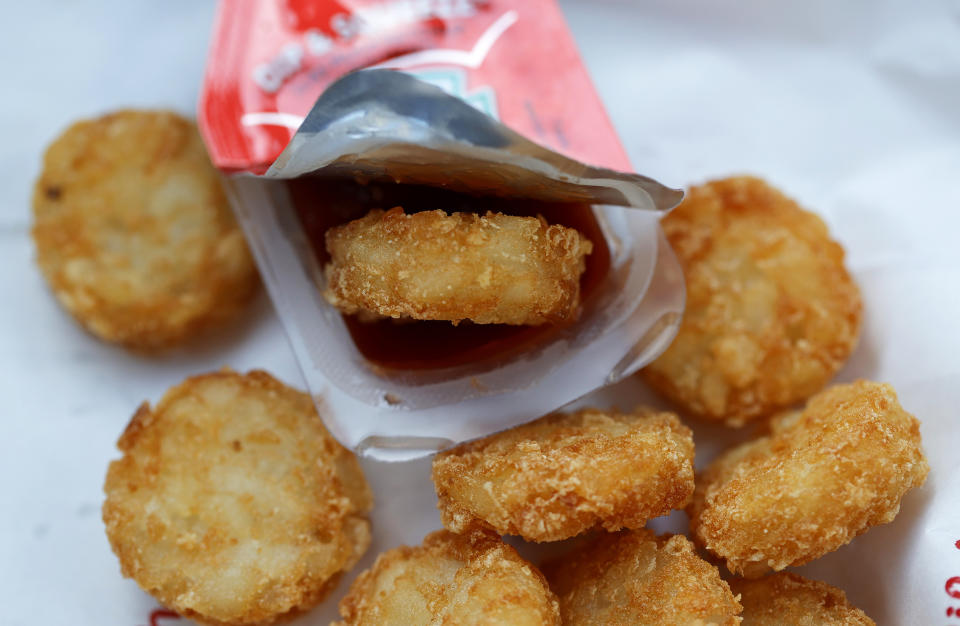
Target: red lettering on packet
(158, 614)
(307, 14)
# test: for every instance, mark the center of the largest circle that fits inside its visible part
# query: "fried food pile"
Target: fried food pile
(772, 312)
(490, 269)
(232, 504)
(134, 234)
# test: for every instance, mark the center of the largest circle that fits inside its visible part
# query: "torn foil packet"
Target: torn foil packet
(396, 135)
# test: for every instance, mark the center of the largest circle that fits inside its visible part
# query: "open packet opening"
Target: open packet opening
(380, 138)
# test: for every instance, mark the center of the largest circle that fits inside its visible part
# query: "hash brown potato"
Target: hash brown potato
(771, 313)
(133, 231)
(563, 474)
(232, 504)
(472, 579)
(785, 599)
(491, 269)
(821, 477)
(634, 578)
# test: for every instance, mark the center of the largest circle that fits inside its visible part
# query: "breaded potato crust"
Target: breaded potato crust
(232, 504)
(473, 579)
(772, 312)
(495, 269)
(133, 231)
(821, 477)
(786, 599)
(566, 473)
(634, 578)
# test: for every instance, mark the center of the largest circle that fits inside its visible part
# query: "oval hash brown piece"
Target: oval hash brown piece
(772, 312)
(472, 579)
(563, 474)
(232, 504)
(134, 233)
(785, 599)
(634, 578)
(821, 477)
(491, 269)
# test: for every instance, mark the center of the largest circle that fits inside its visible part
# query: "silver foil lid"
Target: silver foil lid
(386, 125)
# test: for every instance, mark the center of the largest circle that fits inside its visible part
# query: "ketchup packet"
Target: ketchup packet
(463, 105)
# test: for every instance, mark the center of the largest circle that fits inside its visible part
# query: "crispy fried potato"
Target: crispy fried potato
(819, 479)
(563, 474)
(468, 579)
(772, 312)
(133, 231)
(634, 578)
(232, 504)
(786, 599)
(495, 269)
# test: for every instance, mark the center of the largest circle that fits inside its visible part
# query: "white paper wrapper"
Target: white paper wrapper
(849, 107)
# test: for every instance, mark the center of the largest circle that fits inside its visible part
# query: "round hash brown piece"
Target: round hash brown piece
(491, 269)
(786, 599)
(634, 578)
(772, 312)
(821, 477)
(563, 474)
(232, 504)
(133, 231)
(473, 579)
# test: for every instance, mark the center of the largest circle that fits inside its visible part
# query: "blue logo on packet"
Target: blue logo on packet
(454, 82)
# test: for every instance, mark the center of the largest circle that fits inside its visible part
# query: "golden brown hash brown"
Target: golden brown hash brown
(464, 580)
(772, 313)
(821, 477)
(494, 269)
(232, 504)
(563, 474)
(786, 599)
(634, 578)
(133, 231)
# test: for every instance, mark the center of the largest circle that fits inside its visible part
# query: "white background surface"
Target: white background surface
(855, 111)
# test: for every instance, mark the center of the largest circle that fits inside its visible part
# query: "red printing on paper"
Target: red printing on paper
(952, 588)
(271, 59)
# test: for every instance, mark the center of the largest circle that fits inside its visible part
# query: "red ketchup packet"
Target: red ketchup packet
(512, 59)
(317, 110)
